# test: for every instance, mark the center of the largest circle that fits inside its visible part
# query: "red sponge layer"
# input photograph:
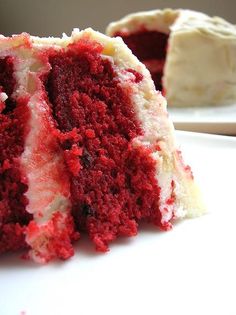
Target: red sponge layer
(113, 184)
(13, 216)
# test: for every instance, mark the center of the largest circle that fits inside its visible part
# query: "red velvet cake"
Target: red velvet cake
(190, 55)
(86, 145)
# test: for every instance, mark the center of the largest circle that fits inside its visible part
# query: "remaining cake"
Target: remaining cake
(190, 55)
(85, 145)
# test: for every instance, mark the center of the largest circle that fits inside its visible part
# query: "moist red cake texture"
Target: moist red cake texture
(13, 114)
(150, 47)
(112, 184)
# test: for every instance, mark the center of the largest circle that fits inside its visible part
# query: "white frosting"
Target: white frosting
(151, 20)
(40, 162)
(3, 97)
(200, 67)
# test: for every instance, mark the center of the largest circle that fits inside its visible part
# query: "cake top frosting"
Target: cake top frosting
(169, 20)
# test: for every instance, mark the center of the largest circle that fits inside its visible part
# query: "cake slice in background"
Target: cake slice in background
(190, 55)
(86, 145)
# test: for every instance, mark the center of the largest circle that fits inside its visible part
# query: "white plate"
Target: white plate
(219, 120)
(189, 270)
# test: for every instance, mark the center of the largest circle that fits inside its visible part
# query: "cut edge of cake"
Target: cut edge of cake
(179, 194)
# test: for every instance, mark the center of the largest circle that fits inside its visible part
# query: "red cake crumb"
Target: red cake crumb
(61, 237)
(13, 116)
(138, 76)
(113, 184)
(7, 81)
(150, 47)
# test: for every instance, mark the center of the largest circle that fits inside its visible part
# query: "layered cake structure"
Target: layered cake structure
(190, 55)
(86, 145)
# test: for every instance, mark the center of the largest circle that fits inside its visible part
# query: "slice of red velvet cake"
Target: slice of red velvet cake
(85, 145)
(190, 55)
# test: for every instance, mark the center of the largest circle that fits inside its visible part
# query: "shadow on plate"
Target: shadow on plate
(84, 248)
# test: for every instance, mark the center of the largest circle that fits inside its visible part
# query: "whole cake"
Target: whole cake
(86, 145)
(191, 56)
